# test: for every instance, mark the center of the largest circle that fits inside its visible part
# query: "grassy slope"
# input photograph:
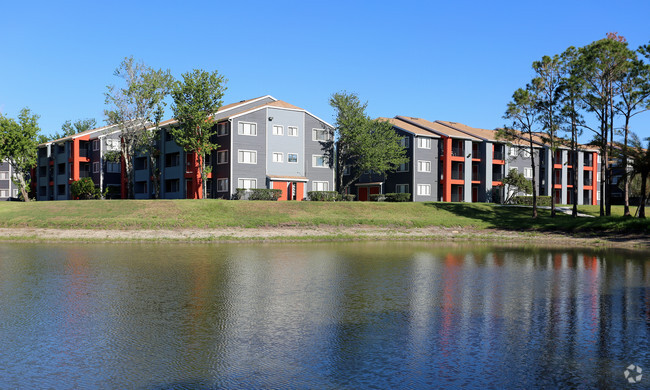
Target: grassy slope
(134, 214)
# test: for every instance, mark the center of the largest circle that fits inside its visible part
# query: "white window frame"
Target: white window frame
(292, 131)
(422, 144)
(222, 153)
(241, 153)
(95, 145)
(4, 175)
(222, 126)
(252, 129)
(241, 180)
(528, 173)
(222, 185)
(110, 165)
(96, 167)
(424, 189)
(422, 165)
(315, 132)
(276, 155)
(278, 130)
(4, 193)
(315, 157)
(598, 196)
(324, 186)
(406, 167)
(288, 158)
(404, 187)
(15, 193)
(404, 142)
(514, 151)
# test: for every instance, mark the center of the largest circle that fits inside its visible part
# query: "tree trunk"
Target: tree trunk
(128, 166)
(552, 181)
(23, 186)
(626, 182)
(644, 179)
(155, 174)
(532, 165)
(608, 202)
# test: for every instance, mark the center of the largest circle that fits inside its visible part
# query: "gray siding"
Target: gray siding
(286, 144)
(242, 108)
(255, 143)
(430, 178)
(317, 148)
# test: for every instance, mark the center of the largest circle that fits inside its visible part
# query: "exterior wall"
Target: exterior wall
(430, 178)
(8, 190)
(246, 142)
(177, 172)
(316, 148)
(222, 171)
(286, 144)
(521, 161)
(242, 108)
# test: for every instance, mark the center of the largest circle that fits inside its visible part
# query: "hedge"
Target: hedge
(323, 196)
(528, 200)
(398, 197)
(377, 197)
(257, 194)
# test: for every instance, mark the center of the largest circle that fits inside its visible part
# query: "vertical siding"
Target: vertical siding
(246, 142)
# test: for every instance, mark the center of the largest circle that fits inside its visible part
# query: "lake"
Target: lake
(321, 315)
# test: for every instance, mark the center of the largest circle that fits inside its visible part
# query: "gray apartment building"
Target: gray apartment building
(8, 190)
(453, 162)
(263, 143)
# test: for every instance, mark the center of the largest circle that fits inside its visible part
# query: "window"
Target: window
(208, 159)
(222, 129)
(247, 183)
(246, 128)
(402, 188)
(112, 144)
(278, 157)
(61, 169)
(4, 194)
(346, 170)
(514, 151)
(247, 157)
(140, 163)
(96, 144)
(168, 135)
(598, 176)
(320, 135)
(60, 189)
(424, 166)
(598, 196)
(112, 167)
(222, 185)
(222, 157)
(172, 185)
(292, 131)
(528, 173)
(95, 167)
(320, 186)
(403, 167)
(319, 161)
(4, 175)
(292, 158)
(278, 130)
(404, 142)
(140, 187)
(424, 143)
(172, 159)
(424, 189)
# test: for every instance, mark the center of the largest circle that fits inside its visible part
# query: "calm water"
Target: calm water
(351, 315)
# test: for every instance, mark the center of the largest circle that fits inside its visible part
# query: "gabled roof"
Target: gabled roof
(275, 104)
(81, 134)
(408, 127)
(484, 134)
(437, 128)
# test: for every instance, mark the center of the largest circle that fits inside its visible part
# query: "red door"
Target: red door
(189, 194)
(474, 194)
(374, 190)
(363, 194)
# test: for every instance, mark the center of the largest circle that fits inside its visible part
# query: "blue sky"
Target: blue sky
(458, 61)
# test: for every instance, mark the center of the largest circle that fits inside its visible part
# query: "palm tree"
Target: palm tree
(639, 160)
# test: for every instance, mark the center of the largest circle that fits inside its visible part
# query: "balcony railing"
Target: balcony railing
(457, 151)
(455, 175)
(498, 155)
(587, 181)
(476, 176)
(497, 176)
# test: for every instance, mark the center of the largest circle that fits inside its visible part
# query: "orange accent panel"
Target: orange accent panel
(300, 190)
(446, 169)
(281, 185)
(594, 192)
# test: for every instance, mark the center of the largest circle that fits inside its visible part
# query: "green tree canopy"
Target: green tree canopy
(362, 144)
(196, 98)
(18, 146)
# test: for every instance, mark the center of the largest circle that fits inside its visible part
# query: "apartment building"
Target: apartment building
(8, 190)
(468, 164)
(263, 143)
(62, 161)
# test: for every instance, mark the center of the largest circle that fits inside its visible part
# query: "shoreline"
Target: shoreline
(323, 234)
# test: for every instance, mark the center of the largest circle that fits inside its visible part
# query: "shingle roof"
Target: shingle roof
(77, 135)
(438, 128)
(408, 127)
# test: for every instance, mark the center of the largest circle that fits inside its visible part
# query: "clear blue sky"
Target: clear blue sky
(458, 61)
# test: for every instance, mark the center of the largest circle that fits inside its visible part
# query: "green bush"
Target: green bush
(528, 200)
(240, 193)
(84, 188)
(323, 196)
(264, 194)
(398, 197)
(377, 197)
(346, 197)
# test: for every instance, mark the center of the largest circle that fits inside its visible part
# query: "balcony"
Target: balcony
(497, 155)
(587, 181)
(497, 176)
(455, 175)
(457, 152)
(476, 176)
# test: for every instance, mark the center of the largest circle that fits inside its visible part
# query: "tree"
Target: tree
(196, 98)
(599, 66)
(362, 144)
(18, 146)
(634, 89)
(522, 113)
(136, 107)
(640, 166)
(547, 83)
(85, 189)
(514, 183)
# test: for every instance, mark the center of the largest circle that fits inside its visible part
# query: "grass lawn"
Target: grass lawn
(212, 213)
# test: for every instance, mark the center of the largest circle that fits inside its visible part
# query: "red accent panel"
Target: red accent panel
(594, 183)
(446, 169)
(363, 194)
(281, 185)
(300, 190)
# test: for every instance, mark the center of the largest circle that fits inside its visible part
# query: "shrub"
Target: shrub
(377, 197)
(528, 200)
(398, 197)
(84, 188)
(264, 194)
(323, 196)
(240, 193)
(346, 197)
